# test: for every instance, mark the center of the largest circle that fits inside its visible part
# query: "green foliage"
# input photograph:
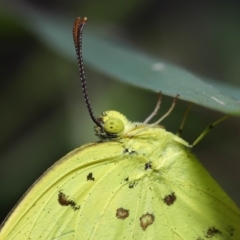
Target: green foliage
(132, 66)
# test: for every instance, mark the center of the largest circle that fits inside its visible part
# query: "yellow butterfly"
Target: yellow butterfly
(138, 181)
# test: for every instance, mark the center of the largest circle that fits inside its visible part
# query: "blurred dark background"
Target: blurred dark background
(43, 115)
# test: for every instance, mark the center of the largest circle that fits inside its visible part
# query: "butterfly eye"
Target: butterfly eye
(113, 126)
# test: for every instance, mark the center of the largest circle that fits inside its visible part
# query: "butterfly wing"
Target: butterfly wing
(54, 206)
(125, 190)
(194, 205)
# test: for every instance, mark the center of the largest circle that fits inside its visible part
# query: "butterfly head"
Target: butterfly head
(113, 125)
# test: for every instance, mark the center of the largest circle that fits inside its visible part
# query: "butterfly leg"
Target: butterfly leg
(155, 110)
(169, 111)
(210, 126)
(180, 129)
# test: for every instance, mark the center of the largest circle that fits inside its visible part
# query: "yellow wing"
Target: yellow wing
(145, 187)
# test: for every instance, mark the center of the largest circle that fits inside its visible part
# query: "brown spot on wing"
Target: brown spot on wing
(65, 201)
(230, 231)
(212, 231)
(132, 184)
(129, 151)
(170, 199)
(122, 213)
(146, 220)
(90, 177)
(148, 166)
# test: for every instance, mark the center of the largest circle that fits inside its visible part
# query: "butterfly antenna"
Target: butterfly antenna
(77, 37)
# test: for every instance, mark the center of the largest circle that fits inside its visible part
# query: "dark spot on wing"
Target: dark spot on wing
(212, 232)
(146, 220)
(122, 213)
(125, 150)
(65, 201)
(132, 184)
(126, 179)
(129, 151)
(230, 230)
(90, 177)
(170, 199)
(148, 166)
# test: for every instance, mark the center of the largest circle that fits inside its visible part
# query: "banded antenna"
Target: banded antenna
(77, 37)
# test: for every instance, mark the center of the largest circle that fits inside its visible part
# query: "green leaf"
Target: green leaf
(131, 66)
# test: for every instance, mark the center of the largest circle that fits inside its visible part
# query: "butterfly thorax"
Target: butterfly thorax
(140, 140)
(115, 126)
